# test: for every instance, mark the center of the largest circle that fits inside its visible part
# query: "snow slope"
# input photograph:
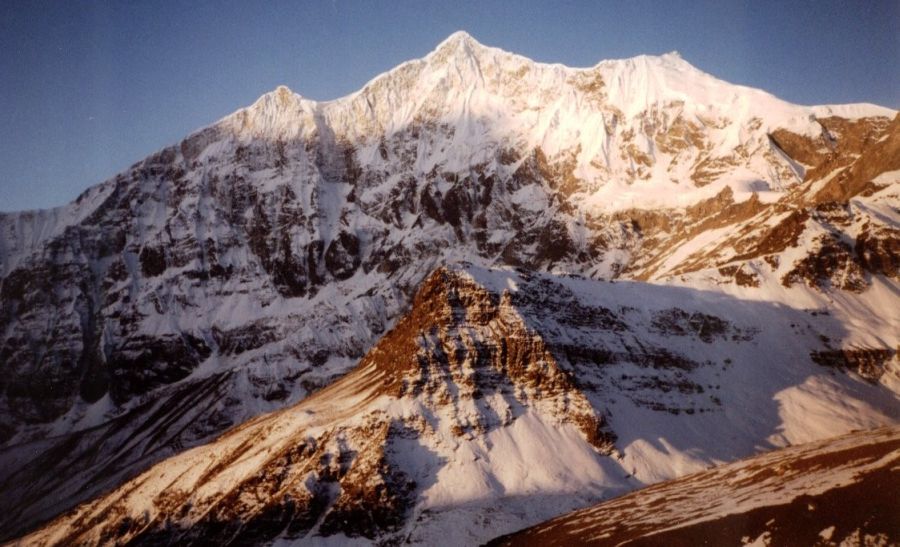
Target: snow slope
(834, 492)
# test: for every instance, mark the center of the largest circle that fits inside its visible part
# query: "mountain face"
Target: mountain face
(835, 492)
(261, 258)
(499, 399)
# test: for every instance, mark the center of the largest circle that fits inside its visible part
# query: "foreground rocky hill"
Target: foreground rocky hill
(250, 265)
(840, 491)
(500, 399)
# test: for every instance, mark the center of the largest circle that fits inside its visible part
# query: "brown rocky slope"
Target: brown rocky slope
(840, 491)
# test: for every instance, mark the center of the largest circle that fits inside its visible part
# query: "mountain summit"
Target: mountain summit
(260, 259)
(461, 42)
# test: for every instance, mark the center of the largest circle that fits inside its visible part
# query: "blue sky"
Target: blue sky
(88, 88)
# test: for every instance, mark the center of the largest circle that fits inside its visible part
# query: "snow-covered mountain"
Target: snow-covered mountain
(835, 492)
(261, 258)
(499, 400)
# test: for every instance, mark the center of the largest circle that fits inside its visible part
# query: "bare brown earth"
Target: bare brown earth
(778, 498)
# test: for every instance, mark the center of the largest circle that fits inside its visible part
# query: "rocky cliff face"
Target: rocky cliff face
(510, 395)
(250, 265)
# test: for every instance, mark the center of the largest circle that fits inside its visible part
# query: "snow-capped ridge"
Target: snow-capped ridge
(853, 111)
(280, 113)
(461, 81)
(280, 98)
(551, 113)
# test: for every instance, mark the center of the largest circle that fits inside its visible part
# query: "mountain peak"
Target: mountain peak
(283, 95)
(674, 59)
(460, 38)
(280, 112)
(283, 90)
(459, 43)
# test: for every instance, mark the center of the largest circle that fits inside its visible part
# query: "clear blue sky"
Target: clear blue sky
(88, 88)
